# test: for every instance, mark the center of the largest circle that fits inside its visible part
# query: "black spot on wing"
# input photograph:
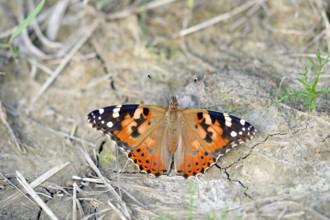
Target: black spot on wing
(146, 111)
(204, 125)
(200, 115)
(208, 138)
(140, 120)
(135, 132)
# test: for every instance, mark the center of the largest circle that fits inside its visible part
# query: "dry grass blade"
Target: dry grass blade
(34, 184)
(7, 33)
(118, 212)
(42, 67)
(4, 203)
(327, 27)
(23, 41)
(218, 18)
(303, 55)
(130, 11)
(35, 196)
(66, 60)
(43, 39)
(92, 180)
(74, 202)
(56, 18)
(113, 192)
(240, 21)
(3, 117)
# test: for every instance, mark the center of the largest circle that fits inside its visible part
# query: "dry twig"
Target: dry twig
(34, 184)
(35, 196)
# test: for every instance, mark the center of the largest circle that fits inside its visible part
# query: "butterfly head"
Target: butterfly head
(174, 105)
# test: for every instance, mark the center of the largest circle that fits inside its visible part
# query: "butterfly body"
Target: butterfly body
(154, 137)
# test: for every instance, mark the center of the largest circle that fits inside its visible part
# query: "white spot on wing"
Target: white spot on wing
(208, 120)
(99, 118)
(115, 111)
(115, 114)
(110, 124)
(101, 111)
(102, 122)
(240, 133)
(242, 122)
(228, 123)
(233, 134)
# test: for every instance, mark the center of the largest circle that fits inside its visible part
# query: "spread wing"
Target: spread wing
(205, 136)
(139, 130)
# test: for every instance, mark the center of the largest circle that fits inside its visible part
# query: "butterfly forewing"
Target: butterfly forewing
(140, 131)
(205, 136)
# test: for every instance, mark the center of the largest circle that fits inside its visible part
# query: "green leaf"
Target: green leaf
(27, 21)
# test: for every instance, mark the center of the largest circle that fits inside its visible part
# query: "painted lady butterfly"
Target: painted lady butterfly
(154, 137)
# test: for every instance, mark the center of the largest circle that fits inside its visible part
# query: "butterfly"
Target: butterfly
(159, 139)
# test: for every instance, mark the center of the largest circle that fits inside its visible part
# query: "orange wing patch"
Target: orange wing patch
(210, 131)
(195, 164)
(148, 159)
(132, 126)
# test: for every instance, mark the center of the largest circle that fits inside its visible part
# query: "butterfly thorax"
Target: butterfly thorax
(173, 124)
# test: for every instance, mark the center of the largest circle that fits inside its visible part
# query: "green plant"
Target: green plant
(24, 24)
(310, 91)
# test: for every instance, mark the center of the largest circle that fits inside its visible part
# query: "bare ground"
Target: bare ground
(126, 54)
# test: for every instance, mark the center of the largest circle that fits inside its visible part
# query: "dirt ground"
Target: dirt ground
(227, 56)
